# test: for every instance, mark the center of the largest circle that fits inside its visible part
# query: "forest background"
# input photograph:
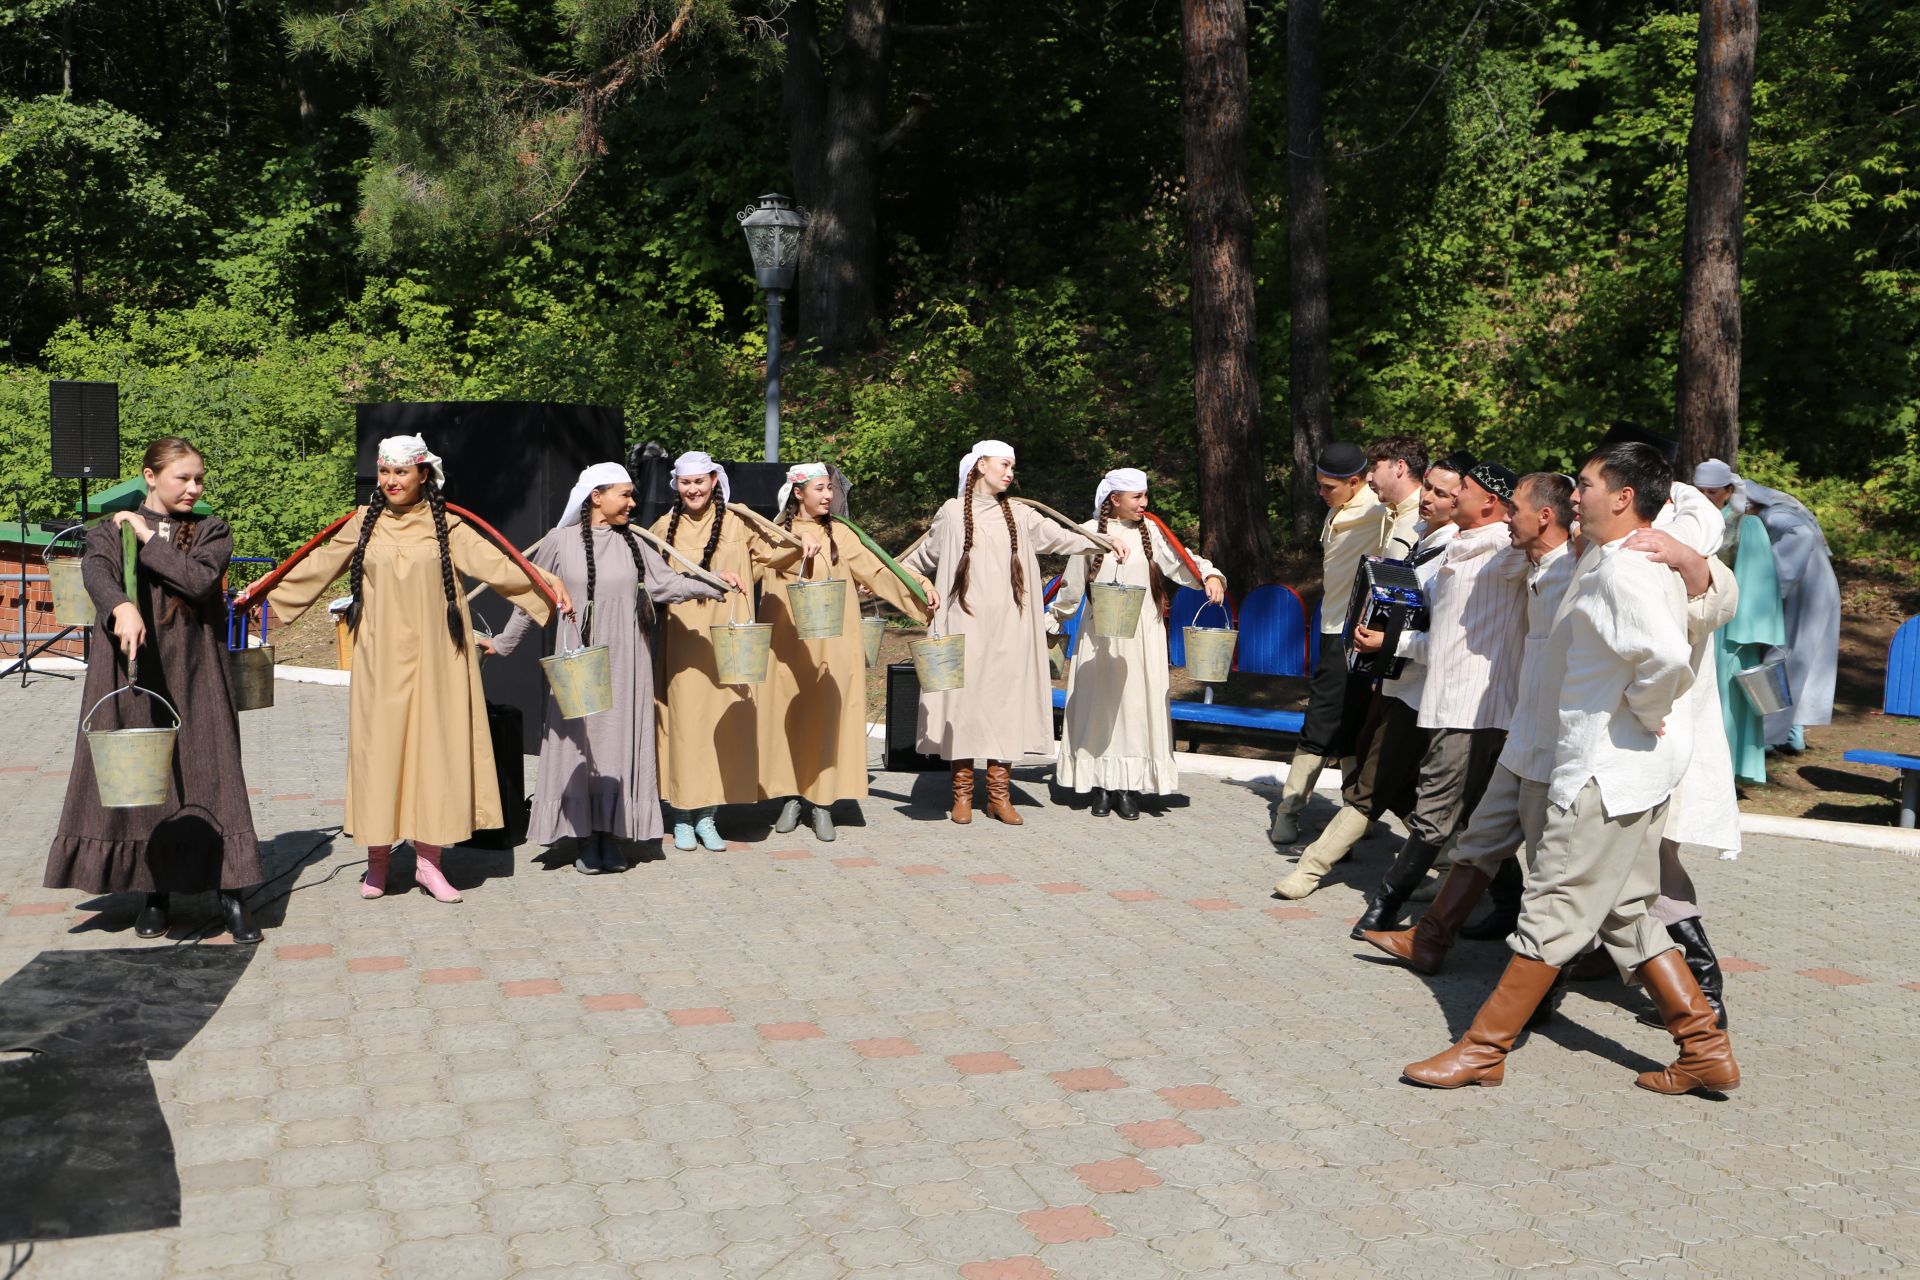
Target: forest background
(252, 214)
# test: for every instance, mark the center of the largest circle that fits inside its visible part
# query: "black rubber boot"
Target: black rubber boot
(152, 920)
(1410, 867)
(240, 925)
(1099, 806)
(1504, 893)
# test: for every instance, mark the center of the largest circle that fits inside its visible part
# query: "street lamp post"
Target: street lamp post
(773, 228)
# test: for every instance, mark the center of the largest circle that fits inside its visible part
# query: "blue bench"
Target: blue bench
(1902, 699)
(1273, 642)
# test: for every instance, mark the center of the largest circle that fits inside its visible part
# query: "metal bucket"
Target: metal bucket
(72, 606)
(1766, 687)
(871, 629)
(740, 650)
(581, 680)
(819, 608)
(941, 662)
(1114, 609)
(131, 767)
(1209, 649)
(252, 673)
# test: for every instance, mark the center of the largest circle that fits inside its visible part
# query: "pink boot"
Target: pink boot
(374, 883)
(426, 871)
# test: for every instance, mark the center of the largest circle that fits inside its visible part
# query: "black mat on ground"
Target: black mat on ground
(87, 1150)
(133, 1004)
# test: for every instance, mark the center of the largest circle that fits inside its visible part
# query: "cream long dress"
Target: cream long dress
(419, 755)
(813, 733)
(708, 732)
(1117, 734)
(1005, 709)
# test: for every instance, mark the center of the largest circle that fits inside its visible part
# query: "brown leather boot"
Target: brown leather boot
(1424, 947)
(962, 792)
(999, 797)
(1481, 1056)
(1706, 1055)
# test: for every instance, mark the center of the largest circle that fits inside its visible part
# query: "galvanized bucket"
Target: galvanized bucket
(72, 606)
(740, 650)
(819, 608)
(1766, 687)
(1209, 649)
(581, 680)
(252, 673)
(131, 767)
(871, 630)
(940, 662)
(1114, 609)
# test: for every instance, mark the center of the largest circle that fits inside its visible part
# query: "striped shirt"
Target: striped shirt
(1477, 605)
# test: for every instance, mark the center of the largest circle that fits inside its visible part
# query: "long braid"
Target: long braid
(375, 505)
(183, 533)
(1013, 548)
(1100, 561)
(713, 539)
(586, 545)
(966, 544)
(673, 521)
(438, 502)
(833, 549)
(644, 604)
(1157, 582)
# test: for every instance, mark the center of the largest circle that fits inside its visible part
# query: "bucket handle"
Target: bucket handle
(46, 552)
(582, 628)
(730, 602)
(1213, 604)
(86, 721)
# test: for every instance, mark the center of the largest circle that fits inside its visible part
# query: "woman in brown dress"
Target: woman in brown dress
(170, 637)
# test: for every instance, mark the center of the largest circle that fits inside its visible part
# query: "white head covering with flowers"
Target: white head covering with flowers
(805, 472)
(411, 451)
(981, 449)
(696, 463)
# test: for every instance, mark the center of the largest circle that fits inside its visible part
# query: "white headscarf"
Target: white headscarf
(1712, 474)
(597, 476)
(1118, 480)
(802, 472)
(411, 451)
(981, 449)
(695, 463)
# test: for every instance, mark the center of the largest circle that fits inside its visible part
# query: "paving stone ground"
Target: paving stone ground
(1084, 1048)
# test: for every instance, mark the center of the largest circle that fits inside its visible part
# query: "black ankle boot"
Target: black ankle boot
(1098, 806)
(152, 920)
(240, 925)
(1126, 804)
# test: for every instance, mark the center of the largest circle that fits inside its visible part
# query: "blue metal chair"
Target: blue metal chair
(1274, 637)
(1901, 698)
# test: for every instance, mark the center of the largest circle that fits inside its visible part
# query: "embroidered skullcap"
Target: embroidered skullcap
(411, 451)
(981, 449)
(597, 476)
(1494, 478)
(1118, 480)
(1341, 460)
(1712, 474)
(695, 463)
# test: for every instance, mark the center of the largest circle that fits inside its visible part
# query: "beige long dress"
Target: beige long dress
(1116, 733)
(1005, 709)
(419, 756)
(708, 732)
(813, 733)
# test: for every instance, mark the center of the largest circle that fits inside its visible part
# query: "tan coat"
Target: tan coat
(708, 732)
(813, 730)
(419, 755)
(1005, 710)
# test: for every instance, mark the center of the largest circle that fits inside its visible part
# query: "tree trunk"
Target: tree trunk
(1226, 371)
(835, 126)
(1708, 399)
(1310, 384)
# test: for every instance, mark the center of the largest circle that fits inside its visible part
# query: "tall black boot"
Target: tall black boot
(1410, 866)
(1504, 892)
(1692, 937)
(152, 920)
(240, 925)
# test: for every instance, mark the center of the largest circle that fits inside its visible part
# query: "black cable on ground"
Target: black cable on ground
(206, 930)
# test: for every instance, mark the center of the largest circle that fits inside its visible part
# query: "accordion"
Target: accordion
(1387, 596)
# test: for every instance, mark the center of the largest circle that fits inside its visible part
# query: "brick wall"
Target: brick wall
(39, 606)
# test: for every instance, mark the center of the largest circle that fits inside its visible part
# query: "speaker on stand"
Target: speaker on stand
(86, 432)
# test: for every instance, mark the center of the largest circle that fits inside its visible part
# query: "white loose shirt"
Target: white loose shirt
(1705, 810)
(1536, 713)
(1477, 633)
(1413, 676)
(1403, 527)
(1619, 656)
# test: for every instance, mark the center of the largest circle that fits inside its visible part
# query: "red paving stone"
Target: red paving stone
(790, 1031)
(1151, 1134)
(336, 803)
(618, 1003)
(530, 987)
(1197, 1097)
(886, 1047)
(789, 855)
(1834, 977)
(304, 951)
(856, 862)
(1290, 913)
(923, 869)
(1134, 895)
(1213, 904)
(981, 1064)
(36, 908)
(376, 964)
(993, 877)
(1123, 1174)
(1064, 886)
(1065, 1226)
(1007, 1269)
(1911, 986)
(698, 1017)
(1735, 964)
(294, 795)
(735, 846)
(1088, 1080)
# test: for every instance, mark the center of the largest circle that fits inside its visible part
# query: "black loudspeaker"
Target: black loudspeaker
(506, 725)
(512, 463)
(86, 429)
(903, 722)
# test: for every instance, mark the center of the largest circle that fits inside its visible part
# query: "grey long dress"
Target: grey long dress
(599, 773)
